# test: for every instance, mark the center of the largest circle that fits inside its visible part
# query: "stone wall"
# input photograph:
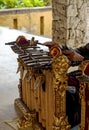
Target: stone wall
(69, 21)
(88, 23)
(36, 20)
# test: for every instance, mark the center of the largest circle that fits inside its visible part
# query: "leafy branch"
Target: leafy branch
(5, 4)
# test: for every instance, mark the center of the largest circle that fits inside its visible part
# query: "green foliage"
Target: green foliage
(33, 3)
(47, 2)
(5, 4)
(27, 3)
(1, 4)
(9, 3)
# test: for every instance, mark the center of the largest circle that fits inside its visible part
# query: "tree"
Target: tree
(5, 4)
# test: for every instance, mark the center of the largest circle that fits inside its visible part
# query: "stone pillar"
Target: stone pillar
(69, 22)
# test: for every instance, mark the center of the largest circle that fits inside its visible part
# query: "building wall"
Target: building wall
(65, 22)
(33, 20)
(69, 21)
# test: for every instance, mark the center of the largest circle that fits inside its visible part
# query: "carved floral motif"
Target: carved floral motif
(60, 67)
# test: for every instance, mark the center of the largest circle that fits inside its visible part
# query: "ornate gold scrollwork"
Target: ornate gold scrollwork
(60, 67)
(61, 123)
(26, 121)
(82, 91)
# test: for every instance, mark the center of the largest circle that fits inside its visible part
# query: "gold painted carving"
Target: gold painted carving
(60, 67)
(83, 80)
(26, 121)
(61, 123)
(82, 67)
(82, 90)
